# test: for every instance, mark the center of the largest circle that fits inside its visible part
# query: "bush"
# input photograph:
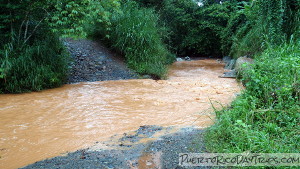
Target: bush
(134, 32)
(265, 118)
(40, 64)
(211, 24)
(194, 30)
(235, 22)
(271, 22)
(181, 19)
(32, 57)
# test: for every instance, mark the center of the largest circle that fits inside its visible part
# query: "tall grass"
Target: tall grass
(267, 22)
(40, 64)
(134, 32)
(266, 117)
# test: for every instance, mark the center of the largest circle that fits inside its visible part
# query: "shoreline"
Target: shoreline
(128, 151)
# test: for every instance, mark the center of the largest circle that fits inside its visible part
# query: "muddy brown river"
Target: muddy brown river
(39, 125)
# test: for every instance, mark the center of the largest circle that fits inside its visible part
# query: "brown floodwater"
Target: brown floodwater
(39, 125)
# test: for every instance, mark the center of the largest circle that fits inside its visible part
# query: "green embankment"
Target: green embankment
(265, 118)
(134, 32)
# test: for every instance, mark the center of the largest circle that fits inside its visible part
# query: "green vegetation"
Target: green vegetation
(192, 30)
(263, 23)
(41, 65)
(265, 118)
(134, 32)
(31, 56)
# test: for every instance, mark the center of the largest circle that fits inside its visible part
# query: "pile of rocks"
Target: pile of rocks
(91, 61)
(183, 59)
(236, 66)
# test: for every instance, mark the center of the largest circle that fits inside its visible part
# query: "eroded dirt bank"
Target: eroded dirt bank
(40, 125)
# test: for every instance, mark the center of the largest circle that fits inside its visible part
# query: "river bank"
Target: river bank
(134, 150)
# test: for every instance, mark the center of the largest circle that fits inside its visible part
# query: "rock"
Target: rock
(230, 65)
(179, 59)
(187, 58)
(243, 63)
(237, 94)
(230, 74)
(226, 59)
(146, 77)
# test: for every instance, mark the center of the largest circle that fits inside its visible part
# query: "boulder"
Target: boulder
(230, 74)
(226, 59)
(241, 61)
(230, 65)
(187, 58)
(179, 59)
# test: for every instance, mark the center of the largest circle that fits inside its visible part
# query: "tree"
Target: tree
(20, 19)
(31, 55)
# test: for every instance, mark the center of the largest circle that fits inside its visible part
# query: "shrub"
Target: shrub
(134, 32)
(194, 30)
(180, 18)
(31, 56)
(271, 22)
(38, 65)
(211, 24)
(265, 118)
(236, 21)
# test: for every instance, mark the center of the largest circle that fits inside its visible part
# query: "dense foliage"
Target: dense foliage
(32, 57)
(134, 32)
(31, 54)
(271, 22)
(265, 118)
(193, 30)
(232, 27)
(198, 30)
(40, 65)
(71, 18)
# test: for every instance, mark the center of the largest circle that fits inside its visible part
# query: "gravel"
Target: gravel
(164, 150)
(92, 61)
